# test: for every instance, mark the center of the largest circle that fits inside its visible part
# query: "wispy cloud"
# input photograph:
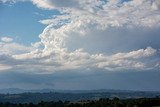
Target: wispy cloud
(6, 39)
(4, 67)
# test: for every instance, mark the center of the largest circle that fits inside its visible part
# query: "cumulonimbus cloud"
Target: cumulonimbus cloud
(79, 18)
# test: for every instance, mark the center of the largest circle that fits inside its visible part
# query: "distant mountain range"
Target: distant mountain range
(19, 91)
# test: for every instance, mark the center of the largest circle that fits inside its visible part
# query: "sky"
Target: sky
(80, 44)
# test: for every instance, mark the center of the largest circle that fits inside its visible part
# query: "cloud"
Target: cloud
(61, 60)
(6, 39)
(149, 51)
(82, 21)
(13, 48)
(4, 67)
(81, 18)
(36, 44)
(43, 4)
(156, 5)
(131, 60)
(7, 1)
(105, 13)
(12, 1)
(54, 4)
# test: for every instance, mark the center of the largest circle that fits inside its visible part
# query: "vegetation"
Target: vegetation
(73, 96)
(105, 102)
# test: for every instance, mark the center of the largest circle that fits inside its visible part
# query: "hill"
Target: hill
(68, 95)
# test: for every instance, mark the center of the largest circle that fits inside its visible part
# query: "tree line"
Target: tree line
(103, 102)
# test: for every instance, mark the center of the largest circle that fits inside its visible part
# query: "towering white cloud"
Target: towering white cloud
(84, 16)
(81, 18)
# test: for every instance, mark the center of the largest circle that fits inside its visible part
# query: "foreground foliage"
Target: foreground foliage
(141, 102)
